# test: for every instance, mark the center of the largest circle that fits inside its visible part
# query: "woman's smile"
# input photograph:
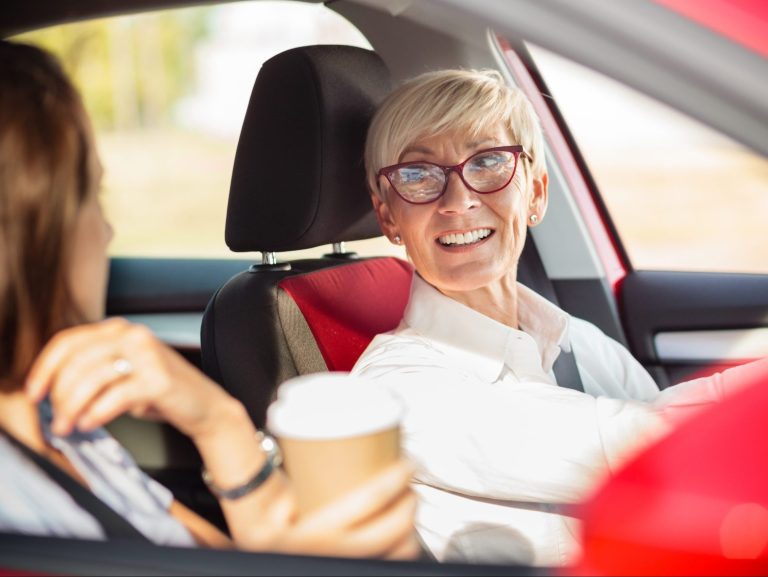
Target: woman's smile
(463, 240)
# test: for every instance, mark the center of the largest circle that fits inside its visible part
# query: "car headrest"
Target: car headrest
(299, 179)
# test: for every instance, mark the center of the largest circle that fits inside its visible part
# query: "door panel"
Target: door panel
(686, 323)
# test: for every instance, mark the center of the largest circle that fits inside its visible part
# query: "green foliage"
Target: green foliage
(131, 70)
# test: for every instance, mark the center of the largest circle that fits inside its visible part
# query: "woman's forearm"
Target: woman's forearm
(535, 442)
(232, 455)
(679, 402)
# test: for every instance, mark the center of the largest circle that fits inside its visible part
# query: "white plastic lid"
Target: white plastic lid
(331, 406)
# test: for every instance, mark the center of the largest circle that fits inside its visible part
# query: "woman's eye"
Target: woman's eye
(413, 174)
(488, 160)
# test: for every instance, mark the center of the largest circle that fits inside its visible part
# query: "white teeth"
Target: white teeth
(470, 237)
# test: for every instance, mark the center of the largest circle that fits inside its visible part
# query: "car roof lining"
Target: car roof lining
(21, 15)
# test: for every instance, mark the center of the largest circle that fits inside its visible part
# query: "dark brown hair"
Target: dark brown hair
(48, 169)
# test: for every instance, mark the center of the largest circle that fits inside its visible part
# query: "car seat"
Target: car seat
(298, 182)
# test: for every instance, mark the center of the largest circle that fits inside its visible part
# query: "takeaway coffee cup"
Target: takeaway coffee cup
(335, 432)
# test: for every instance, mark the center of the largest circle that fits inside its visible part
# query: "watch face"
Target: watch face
(272, 448)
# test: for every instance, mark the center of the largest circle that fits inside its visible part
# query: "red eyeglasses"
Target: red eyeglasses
(484, 172)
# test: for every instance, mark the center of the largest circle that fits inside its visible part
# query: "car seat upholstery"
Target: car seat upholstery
(342, 327)
(298, 181)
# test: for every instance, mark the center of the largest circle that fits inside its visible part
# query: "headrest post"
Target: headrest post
(339, 251)
(268, 258)
(269, 264)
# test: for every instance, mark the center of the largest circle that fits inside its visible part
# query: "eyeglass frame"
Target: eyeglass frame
(517, 149)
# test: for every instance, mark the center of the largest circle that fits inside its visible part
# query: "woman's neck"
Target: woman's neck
(497, 300)
(19, 417)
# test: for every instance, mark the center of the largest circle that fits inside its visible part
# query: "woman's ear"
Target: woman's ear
(384, 216)
(537, 203)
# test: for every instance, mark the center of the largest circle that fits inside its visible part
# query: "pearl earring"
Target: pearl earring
(398, 240)
(534, 219)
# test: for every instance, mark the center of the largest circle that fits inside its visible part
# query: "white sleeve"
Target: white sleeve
(529, 442)
(533, 442)
(607, 367)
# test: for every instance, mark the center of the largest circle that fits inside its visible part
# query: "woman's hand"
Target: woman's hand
(95, 372)
(84, 373)
(375, 520)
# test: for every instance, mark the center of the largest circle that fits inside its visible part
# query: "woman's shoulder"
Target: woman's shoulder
(607, 365)
(403, 341)
(403, 347)
(591, 345)
(583, 331)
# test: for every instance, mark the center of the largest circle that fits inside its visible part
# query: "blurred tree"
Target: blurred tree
(131, 70)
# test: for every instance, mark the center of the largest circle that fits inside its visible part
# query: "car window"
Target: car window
(681, 195)
(167, 92)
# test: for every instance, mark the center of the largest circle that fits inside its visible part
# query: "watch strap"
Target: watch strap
(271, 462)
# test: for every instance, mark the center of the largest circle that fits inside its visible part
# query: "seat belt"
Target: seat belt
(113, 524)
(534, 276)
(566, 371)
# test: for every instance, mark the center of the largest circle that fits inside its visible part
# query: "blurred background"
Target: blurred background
(168, 91)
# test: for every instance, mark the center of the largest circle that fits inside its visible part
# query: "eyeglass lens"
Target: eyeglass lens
(486, 171)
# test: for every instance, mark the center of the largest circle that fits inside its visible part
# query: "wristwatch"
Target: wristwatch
(273, 460)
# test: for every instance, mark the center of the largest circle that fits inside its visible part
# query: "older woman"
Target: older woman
(455, 165)
(64, 373)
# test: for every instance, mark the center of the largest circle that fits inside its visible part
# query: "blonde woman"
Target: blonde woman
(456, 170)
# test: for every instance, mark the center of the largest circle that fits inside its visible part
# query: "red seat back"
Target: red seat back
(346, 306)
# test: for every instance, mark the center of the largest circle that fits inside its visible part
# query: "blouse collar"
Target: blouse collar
(486, 343)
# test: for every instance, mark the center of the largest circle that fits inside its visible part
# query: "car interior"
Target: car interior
(298, 182)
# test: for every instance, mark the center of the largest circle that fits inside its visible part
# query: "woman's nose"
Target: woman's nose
(458, 198)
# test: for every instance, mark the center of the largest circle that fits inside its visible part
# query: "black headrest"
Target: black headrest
(299, 178)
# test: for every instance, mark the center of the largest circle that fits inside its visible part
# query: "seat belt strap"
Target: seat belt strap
(567, 372)
(113, 524)
(534, 276)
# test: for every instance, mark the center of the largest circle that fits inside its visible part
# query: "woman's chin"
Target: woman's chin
(467, 277)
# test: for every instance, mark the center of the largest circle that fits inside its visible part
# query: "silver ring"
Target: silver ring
(122, 367)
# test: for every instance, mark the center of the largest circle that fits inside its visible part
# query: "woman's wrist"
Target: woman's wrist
(273, 459)
(223, 416)
(229, 445)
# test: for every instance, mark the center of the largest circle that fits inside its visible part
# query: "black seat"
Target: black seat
(299, 182)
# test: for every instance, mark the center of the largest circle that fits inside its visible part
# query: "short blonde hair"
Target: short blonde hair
(437, 102)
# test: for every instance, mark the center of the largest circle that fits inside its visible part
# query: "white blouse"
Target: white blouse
(500, 449)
